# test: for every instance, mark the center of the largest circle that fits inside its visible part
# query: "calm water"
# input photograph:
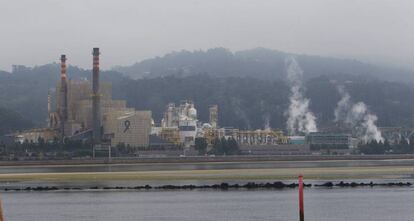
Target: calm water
(359, 204)
(202, 166)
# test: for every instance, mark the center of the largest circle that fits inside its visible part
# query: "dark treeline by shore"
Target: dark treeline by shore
(55, 150)
(374, 147)
(221, 186)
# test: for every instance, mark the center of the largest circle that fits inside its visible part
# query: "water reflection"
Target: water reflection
(368, 204)
(201, 166)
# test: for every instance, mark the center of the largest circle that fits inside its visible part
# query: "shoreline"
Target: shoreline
(204, 159)
(211, 169)
(315, 173)
(218, 186)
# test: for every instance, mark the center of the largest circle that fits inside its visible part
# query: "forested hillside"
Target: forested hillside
(258, 63)
(246, 100)
(12, 121)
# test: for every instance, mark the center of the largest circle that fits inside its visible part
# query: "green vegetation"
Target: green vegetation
(46, 150)
(260, 63)
(374, 147)
(225, 146)
(11, 121)
(201, 145)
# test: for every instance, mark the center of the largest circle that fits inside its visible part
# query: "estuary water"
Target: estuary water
(202, 166)
(321, 204)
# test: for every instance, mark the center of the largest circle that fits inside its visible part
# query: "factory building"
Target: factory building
(320, 141)
(79, 107)
(131, 128)
(33, 135)
(298, 140)
(180, 126)
(253, 137)
(259, 142)
(395, 135)
(181, 120)
(85, 110)
(213, 110)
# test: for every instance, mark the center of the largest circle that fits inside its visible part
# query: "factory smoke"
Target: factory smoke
(300, 118)
(343, 106)
(266, 119)
(357, 117)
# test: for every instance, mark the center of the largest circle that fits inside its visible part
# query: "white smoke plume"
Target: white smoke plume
(343, 106)
(357, 117)
(300, 118)
(266, 119)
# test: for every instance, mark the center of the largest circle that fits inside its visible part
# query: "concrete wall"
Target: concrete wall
(84, 115)
(288, 149)
(79, 91)
(129, 127)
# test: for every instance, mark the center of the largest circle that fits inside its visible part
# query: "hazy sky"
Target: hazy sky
(37, 32)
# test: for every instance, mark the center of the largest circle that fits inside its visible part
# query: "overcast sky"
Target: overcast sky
(37, 32)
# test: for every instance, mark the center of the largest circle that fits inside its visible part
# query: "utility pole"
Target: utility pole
(301, 204)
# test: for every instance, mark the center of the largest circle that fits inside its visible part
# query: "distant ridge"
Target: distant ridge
(248, 86)
(258, 63)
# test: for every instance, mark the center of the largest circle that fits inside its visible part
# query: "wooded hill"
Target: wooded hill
(248, 86)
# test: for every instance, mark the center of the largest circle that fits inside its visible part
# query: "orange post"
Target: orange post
(301, 204)
(1, 211)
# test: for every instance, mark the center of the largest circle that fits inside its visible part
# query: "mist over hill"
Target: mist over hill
(12, 121)
(249, 87)
(249, 103)
(25, 89)
(258, 63)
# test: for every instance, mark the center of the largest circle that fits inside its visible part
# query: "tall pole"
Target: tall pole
(96, 111)
(301, 204)
(49, 108)
(64, 96)
(1, 211)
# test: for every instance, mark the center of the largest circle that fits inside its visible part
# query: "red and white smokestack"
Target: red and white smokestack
(63, 94)
(96, 108)
(63, 67)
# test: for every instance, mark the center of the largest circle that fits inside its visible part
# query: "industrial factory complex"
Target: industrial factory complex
(85, 111)
(82, 110)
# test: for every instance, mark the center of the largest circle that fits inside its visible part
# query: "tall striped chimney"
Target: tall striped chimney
(49, 108)
(63, 95)
(96, 108)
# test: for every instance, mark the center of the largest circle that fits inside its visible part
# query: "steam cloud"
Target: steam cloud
(357, 117)
(300, 118)
(266, 119)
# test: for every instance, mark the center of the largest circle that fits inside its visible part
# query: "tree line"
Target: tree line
(384, 147)
(220, 146)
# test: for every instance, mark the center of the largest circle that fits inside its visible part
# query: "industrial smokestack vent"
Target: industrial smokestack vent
(63, 114)
(96, 112)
